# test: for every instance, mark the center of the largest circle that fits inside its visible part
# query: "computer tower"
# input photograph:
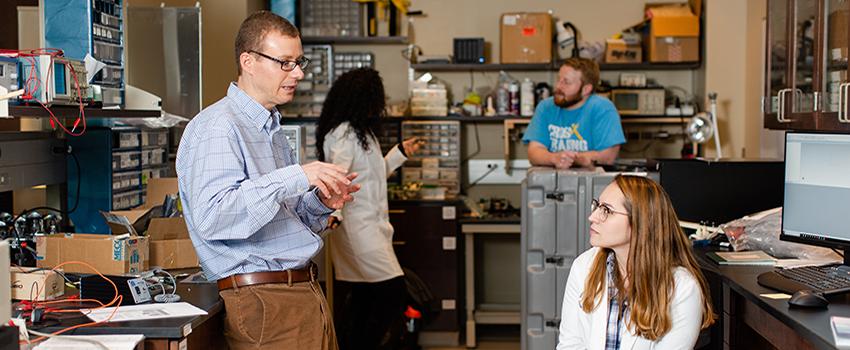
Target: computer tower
(469, 50)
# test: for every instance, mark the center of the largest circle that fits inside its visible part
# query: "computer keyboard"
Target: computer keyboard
(828, 279)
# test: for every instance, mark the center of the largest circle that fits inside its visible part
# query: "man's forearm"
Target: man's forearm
(541, 157)
(590, 158)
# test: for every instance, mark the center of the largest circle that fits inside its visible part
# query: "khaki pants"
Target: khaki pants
(278, 316)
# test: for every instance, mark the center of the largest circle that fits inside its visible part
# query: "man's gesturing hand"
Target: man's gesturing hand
(337, 200)
(329, 178)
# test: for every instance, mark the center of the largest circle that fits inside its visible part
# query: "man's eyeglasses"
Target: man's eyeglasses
(287, 66)
(606, 210)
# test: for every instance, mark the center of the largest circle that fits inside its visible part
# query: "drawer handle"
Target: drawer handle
(399, 242)
(396, 211)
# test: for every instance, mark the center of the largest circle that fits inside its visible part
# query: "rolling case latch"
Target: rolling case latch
(555, 260)
(558, 196)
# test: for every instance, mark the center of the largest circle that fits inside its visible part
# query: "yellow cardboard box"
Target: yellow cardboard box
(674, 31)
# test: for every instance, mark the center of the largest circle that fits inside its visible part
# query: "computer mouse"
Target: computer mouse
(807, 298)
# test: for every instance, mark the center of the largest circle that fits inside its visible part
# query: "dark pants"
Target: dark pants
(370, 315)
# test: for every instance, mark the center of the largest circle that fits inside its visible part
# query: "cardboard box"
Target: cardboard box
(170, 245)
(111, 255)
(674, 32)
(38, 285)
(526, 38)
(837, 40)
(618, 51)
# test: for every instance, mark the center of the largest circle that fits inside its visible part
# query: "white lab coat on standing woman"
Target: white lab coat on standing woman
(581, 330)
(362, 247)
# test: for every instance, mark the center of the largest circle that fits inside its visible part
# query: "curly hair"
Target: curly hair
(356, 97)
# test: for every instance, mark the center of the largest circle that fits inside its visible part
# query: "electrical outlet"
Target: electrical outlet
(492, 171)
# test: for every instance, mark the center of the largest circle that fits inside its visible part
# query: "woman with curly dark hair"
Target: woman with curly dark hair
(371, 280)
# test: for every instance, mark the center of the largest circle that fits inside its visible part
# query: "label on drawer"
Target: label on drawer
(449, 243)
(449, 213)
(448, 304)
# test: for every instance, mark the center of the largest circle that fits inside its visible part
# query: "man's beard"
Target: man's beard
(567, 102)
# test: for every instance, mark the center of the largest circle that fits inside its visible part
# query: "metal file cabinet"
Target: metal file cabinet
(426, 241)
(115, 164)
(555, 208)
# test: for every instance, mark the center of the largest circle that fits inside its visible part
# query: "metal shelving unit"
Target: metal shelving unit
(660, 119)
(355, 40)
(465, 67)
(74, 111)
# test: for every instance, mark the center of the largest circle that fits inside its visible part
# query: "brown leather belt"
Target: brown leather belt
(287, 276)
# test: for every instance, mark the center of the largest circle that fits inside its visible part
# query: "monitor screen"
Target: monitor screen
(816, 202)
(59, 79)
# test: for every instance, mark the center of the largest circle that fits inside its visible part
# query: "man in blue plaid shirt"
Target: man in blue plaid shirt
(253, 213)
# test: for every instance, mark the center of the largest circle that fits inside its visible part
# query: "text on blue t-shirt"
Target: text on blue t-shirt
(594, 126)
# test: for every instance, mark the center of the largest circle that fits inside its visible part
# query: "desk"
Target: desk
(198, 332)
(495, 314)
(745, 313)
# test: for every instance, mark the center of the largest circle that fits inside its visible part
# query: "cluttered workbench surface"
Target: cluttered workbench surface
(197, 331)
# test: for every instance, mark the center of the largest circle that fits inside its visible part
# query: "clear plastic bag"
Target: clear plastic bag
(167, 120)
(760, 231)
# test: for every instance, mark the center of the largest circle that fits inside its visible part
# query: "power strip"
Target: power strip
(492, 171)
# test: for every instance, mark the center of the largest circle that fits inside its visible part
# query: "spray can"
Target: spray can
(513, 92)
(503, 100)
(527, 98)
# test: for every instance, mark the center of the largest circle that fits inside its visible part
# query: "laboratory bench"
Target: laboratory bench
(749, 320)
(194, 332)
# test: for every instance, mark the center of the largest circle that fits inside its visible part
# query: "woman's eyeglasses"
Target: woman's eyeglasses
(287, 66)
(606, 210)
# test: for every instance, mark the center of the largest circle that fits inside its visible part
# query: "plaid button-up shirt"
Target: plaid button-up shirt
(614, 331)
(246, 200)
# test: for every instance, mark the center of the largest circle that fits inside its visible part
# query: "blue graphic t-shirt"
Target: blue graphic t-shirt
(594, 126)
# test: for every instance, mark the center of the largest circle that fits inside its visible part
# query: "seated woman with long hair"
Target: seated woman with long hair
(639, 287)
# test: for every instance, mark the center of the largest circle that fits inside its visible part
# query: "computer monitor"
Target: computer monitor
(816, 203)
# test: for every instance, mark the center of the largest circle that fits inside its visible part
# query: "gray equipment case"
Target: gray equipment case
(555, 210)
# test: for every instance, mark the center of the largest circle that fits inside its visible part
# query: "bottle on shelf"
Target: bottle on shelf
(513, 92)
(503, 100)
(527, 98)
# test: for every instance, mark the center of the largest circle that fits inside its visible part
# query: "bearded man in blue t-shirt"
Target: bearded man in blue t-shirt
(574, 127)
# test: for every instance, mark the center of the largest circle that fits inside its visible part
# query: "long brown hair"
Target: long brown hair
(657, 247)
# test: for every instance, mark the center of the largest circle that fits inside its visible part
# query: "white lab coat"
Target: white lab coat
(362, 247)
(581, 330)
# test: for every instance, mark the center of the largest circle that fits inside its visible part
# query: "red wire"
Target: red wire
(33, 84)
